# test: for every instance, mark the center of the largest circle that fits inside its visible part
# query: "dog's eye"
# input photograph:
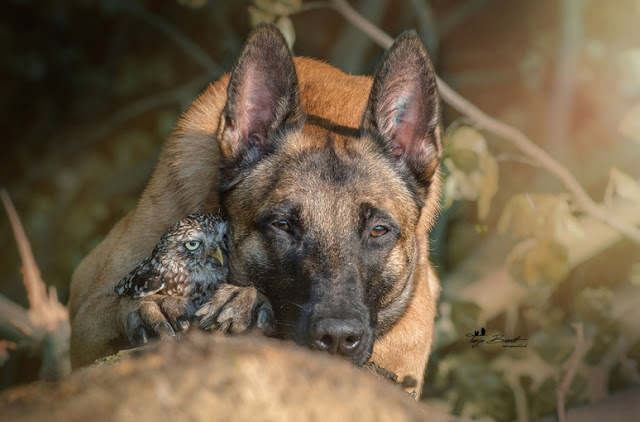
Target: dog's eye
(192, 245)
(379, 231)
(282, 225)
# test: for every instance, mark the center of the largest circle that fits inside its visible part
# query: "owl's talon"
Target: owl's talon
(157, 316)
(144, 338)
(265, 318)
(165, 330)
(262, 318)
(136, 331)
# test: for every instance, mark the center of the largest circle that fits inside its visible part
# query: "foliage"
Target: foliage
(96, 89)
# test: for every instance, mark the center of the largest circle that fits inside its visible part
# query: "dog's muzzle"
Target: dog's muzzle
(346, 336)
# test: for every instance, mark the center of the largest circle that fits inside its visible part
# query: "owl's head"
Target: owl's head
(200, 240)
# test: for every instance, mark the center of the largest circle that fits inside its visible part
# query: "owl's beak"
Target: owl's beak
(217, 254)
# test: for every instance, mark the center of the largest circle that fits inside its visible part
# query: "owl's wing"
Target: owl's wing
(144, 280)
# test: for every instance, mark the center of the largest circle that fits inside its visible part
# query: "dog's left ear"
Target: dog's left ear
(403, 111)
(262, 97)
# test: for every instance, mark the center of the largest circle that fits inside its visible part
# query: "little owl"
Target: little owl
(190, 260)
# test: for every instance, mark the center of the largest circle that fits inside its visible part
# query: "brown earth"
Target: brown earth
(210, 377)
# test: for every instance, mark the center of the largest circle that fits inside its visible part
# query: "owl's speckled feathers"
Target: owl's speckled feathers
(190, 260)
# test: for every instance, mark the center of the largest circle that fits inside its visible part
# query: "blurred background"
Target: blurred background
(90, 89)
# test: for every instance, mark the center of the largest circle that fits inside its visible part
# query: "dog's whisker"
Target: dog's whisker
(295, 304)
(374, 354)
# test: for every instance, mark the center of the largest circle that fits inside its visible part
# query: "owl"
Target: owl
(190, 260)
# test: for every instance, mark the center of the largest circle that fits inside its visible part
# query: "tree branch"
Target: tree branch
(509, 133)
(44, 309)
(573, 363)
(44, 327)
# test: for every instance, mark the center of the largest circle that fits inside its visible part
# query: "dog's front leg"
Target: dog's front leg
(235, 309)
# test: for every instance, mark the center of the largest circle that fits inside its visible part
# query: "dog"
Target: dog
(331, 185)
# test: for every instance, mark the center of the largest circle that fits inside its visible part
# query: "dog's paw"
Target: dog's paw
(235, 309)
(158, 316)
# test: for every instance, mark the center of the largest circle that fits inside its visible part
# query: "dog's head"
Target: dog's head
(326, 217)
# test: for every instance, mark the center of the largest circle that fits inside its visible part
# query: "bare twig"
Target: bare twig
(32, 281)
(16, 327)
(44, 309)
(505, 157)
(446, 24)
(313, 5)
(352, 45)
(44, 327)
(509, 133)
(573, 363)
(520, 397)
(427, 27)
(356, 19)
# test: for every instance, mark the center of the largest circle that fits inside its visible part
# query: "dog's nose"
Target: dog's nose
(337, 336)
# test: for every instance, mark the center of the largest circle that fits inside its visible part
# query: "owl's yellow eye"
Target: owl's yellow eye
(192, 245)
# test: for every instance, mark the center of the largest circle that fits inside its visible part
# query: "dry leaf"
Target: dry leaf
(629, 126)
(489, 186)
(623, 185)
(473, 171)
(5, 347)
(279, 7)
(530, 365)
(540, 215)
(546, 262)
(257, 16)
(285, 25)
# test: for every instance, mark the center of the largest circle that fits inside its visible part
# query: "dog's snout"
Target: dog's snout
(337, 336)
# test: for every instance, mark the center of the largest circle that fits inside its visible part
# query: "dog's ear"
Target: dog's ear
(403, 111)
(262, 97)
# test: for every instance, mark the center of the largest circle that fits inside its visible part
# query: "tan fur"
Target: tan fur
(185, 181)
(405, 349)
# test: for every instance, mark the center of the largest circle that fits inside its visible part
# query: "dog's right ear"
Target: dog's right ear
(262, 98)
